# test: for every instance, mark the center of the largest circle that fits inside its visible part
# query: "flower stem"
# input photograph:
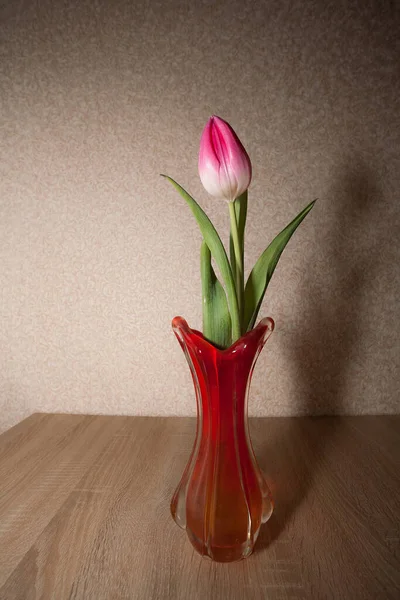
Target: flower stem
(238, 275)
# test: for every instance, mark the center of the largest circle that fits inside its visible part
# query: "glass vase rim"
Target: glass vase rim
(263, 329)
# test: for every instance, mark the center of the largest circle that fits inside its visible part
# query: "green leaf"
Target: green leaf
(217, 325)
(263, 270)
(218, 253)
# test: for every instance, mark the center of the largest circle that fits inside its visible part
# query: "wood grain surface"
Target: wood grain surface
(84, 511)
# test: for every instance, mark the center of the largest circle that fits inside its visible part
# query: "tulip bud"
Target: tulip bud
(224, 165)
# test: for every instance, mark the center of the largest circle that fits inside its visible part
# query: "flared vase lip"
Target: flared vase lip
(260, 332)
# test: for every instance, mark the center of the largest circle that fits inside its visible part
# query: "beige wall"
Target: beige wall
(98, 253)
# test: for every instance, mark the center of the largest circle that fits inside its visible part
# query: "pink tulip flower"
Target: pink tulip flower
(224, 165)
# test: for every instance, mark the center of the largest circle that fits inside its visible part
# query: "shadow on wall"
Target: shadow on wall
(333, 316)
(292, 461)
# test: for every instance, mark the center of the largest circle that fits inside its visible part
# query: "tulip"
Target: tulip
(231, 309)
(224, 165)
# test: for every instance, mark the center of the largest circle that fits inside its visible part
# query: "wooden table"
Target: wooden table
(84, 511)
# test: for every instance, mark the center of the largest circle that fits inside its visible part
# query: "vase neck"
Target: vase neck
(221, 377)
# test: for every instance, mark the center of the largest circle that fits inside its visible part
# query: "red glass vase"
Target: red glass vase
(222, 498)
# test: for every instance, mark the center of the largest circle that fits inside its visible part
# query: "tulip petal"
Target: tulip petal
(224, 165)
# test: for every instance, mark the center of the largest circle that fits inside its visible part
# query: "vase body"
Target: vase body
(222, 498)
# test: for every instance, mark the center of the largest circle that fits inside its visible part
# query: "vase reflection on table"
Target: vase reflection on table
(222, 498)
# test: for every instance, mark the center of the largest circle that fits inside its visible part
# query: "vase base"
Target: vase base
(268, 509)
(222, 554)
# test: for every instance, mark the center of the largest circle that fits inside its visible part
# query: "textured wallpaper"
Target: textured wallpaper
(98, 253)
